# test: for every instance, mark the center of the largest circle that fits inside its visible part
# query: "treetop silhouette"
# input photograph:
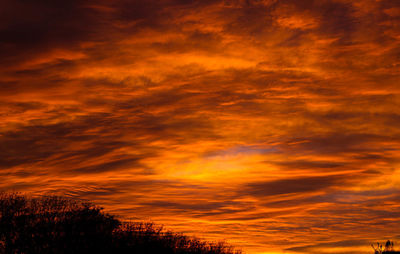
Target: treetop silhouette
(387, 249)
(52, 224)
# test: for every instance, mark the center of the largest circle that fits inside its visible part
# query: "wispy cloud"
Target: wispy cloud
(271, 123)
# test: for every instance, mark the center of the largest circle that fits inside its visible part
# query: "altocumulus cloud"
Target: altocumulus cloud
(270, 123)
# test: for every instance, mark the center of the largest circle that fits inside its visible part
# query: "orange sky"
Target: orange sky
(271, 124)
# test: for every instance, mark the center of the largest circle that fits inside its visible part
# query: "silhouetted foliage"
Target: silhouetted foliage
(387, 249)
(61, 225)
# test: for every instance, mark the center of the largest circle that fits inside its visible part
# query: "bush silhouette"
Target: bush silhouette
(388, 248)
(61, 225)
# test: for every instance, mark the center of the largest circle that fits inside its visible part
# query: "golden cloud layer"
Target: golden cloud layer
(272, 124)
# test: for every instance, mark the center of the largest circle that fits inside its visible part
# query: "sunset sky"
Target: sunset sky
(273, 125)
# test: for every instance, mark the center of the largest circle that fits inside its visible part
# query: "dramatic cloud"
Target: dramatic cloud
(271, 124)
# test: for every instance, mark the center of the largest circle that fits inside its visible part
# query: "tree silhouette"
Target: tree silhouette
(389, 248)
(52, 224)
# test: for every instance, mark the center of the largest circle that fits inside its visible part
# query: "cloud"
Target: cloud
(271, 123)
(332, 245)
(293, 185)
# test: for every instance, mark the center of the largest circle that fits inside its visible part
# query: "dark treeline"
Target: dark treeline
(62, 225)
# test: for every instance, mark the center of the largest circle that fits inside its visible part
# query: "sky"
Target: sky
(273, 125)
